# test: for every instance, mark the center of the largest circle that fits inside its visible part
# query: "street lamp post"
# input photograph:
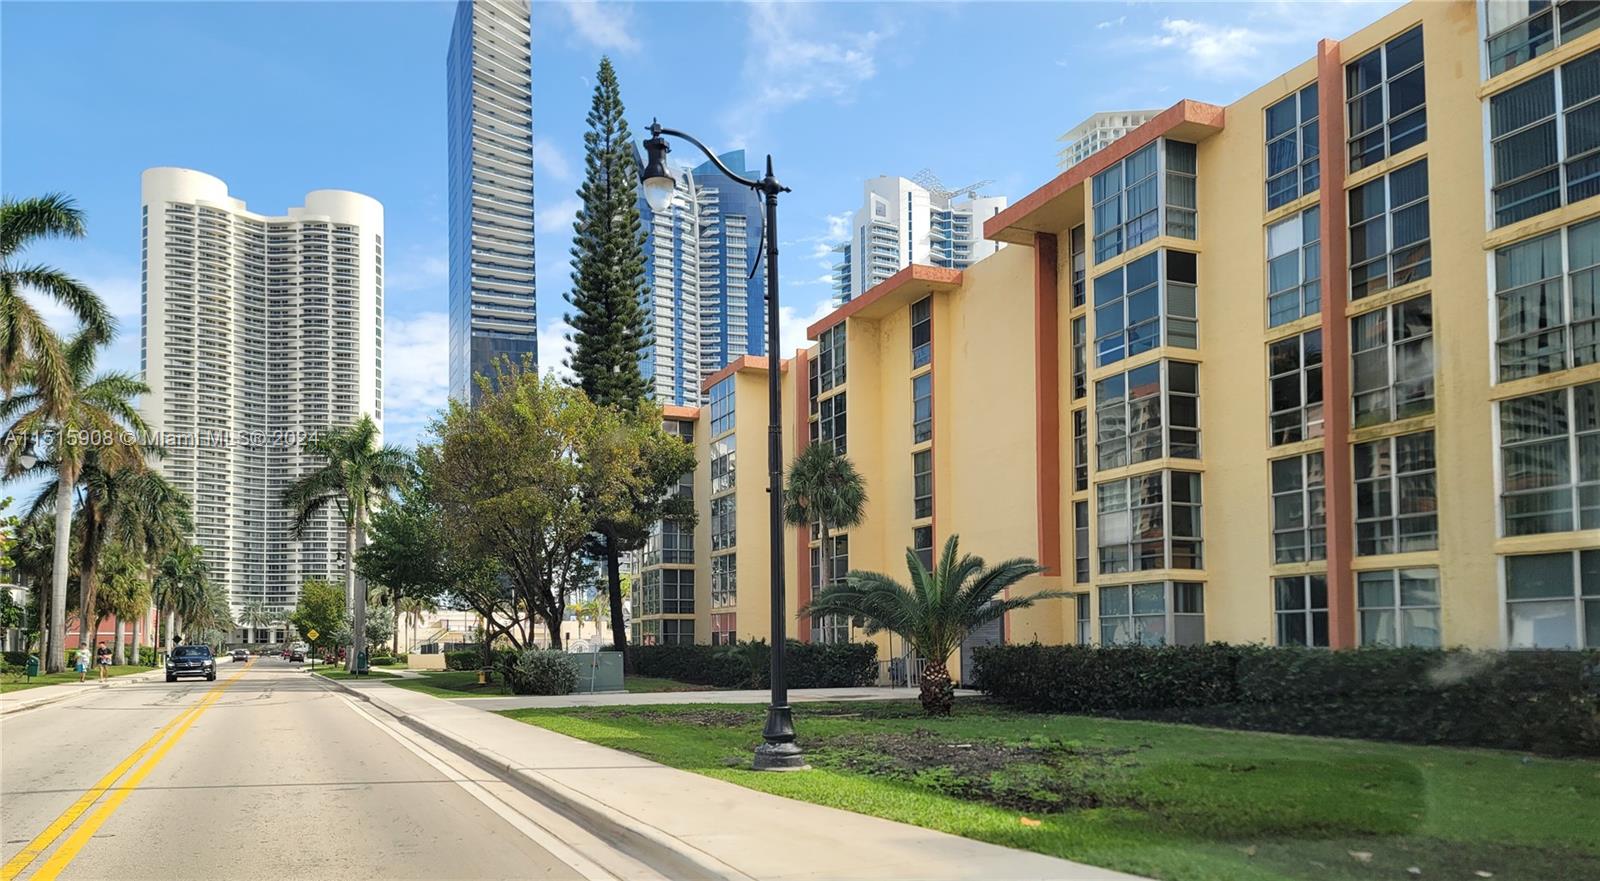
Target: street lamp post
(778, 751)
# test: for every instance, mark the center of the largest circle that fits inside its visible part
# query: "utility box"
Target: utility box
(598, 672)
(32, 667)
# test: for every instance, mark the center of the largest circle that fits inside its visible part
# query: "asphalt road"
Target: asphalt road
(264, 774)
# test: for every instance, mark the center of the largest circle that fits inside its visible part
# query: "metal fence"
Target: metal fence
(901, 673)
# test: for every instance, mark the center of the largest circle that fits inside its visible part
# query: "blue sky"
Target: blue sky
(278, 98)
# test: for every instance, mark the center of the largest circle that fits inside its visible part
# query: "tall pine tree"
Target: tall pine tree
(608, 282)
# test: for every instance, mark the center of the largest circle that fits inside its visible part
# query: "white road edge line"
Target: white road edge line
(535, 831)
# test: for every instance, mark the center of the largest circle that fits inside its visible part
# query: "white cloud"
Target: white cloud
(549, 159)
(555, 349)
(1217, 49)
(603, 24)
(416, 373)
(796, 57)
(792, 325)
(1119, 21)
(839, 225)
(557, 218)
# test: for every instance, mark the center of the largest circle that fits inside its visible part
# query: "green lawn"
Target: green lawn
(1167, 801)
(452, 684)
(71, 676)
(643, 684)
(337, 672)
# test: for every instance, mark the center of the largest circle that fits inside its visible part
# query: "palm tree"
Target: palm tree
(24, 335)
(254, 615)
(180, 584)
(413, 608)
(124, 592)
(825, 489)
(155, 520)
(85, 415)
(935, 613)
(355, 474)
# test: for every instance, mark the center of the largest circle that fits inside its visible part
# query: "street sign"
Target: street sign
(311, 634)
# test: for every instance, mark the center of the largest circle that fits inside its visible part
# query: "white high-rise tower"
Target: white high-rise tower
(904, 221)
(257, 331)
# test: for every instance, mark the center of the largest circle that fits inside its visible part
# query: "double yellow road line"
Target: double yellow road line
(156, 747)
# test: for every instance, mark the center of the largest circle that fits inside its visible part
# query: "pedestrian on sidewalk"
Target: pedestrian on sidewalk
(102, 659)
(81, 661)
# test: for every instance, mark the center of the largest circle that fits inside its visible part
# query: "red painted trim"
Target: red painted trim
(753, 362)
(802, 436)
(931, 275)
(678, 411)
(1335, 349)
(1183, 112)
(1047, 399)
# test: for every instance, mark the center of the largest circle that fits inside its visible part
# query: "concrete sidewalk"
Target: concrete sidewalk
(623, 699)
(44, 695)
(689, 826)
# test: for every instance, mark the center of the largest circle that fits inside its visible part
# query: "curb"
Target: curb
(20, 706)
(657, 849)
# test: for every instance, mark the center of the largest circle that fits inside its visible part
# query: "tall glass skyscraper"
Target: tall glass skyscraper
(489, 79)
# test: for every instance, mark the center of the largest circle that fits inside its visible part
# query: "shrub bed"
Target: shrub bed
(748, 665)
(543, 671)
(1547, 702)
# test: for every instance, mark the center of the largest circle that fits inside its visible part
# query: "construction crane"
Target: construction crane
(930, 182)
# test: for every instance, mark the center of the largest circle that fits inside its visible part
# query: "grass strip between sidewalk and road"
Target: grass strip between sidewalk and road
(336, 672)
(1167, 801)
(68, 677)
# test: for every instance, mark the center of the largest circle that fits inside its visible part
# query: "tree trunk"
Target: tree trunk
(358, 622)
(169, 639)
(938, 694)
(118, 655)
(394, 606)
(44, 624)
(824, 572)
(553, 626)
(56, 660)
(619, 630)
(350, 594)
(138, 650)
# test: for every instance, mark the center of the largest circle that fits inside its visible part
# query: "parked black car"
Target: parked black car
(191, 660)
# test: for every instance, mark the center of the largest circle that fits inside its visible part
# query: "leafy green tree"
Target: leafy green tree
(321, 610)
(509, 476)
(608, 282)
(24, 335)
(84, 415)
(936, 612)
(409, 552)
(354, 476)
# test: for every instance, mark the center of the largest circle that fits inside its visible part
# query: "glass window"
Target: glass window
(831, 422)
(724, 626)
(1301, 605)
(922, 544)
(1080, 542)
(1085, 632)
(1155, 613)
(1299, 509)
(1545, 136)
(1547, 302)
(1079, 367)
(1292, 166)
(1150, 521)
(830, 358)
(1397, 501)
(723, 457)
(1386, 108)
(1391, 350)
(722, 407)
(1399, 607)
(1132, 302)
(1522, 30)
(921, 332)
(723, 522)
(1550, 461)
(1128, 196)
(1080, 450)
(669, 542)
(667, 591)
(1076, 244)
(1553, 600)
(1147, 413)
(1294, 267)
(922, 408)
(922, 484)
(1389, 244)
(677, 631)
(830, 629)
(724, 581)
(1294, 374)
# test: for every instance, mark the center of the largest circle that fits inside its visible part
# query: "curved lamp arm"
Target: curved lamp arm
(656, 131)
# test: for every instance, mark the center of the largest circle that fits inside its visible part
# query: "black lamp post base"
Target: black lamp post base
(779, 752)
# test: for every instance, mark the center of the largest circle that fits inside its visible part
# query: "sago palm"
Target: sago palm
(355, 473)
(24, 334)
(935, 613)
(85, 415)
(826, 489)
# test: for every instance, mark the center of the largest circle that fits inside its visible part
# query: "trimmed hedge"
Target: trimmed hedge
(543, 671)
(1547, 702)
(808, 665)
